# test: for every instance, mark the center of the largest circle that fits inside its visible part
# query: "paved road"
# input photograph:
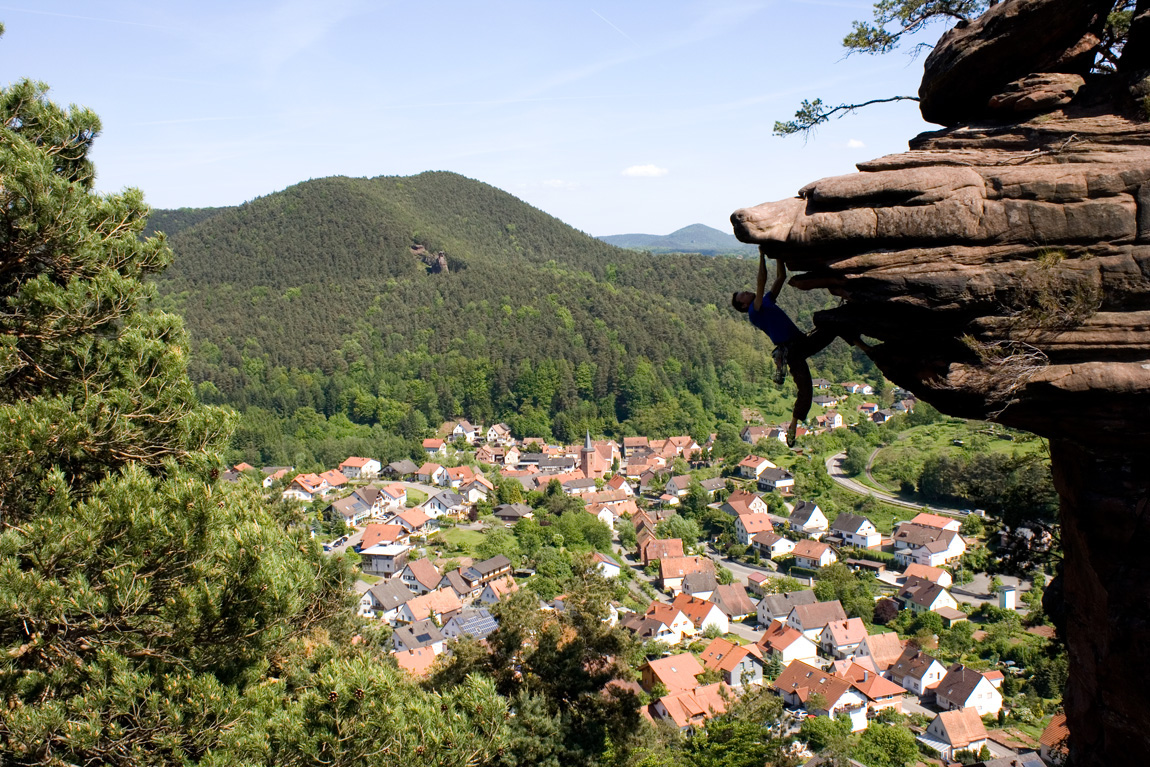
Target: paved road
(835, 470)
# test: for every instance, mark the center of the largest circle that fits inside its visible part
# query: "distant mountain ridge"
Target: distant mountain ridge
(696, 238)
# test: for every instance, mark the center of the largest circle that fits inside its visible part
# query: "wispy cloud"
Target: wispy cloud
(645, 171)
(854, 143)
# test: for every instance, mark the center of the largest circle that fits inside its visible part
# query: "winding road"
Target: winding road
(835, 470)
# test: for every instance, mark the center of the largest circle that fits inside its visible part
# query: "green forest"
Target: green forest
(313, 312)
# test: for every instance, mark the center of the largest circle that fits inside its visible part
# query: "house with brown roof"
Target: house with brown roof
(415, 522)
(650, 629)
(703, 613)
(920, 596)
(1055, 741)
(813, 554)
(619, 483)
(753, 466)
(679, 625)
(964, 687)
(376, 534)
(880, 692)
(675, 672)
(840, 639)
(799, 681)
(747, 526)
(937, 521)
(440, 605)
(420, 576)
(743, 502)
(355, 467)
(739, 665)
(691, 708)
(881, 649)
(431, 474)
(811, 619)
(787, 644)
(752, 434)
(732, 599)
(417, 661)
(633, 444)
(500, 434)
(772, 545)
(673, 569)
(927, 573)
(917, 672)
(660, 549)
(496, 590)
(434, 446)
(334, 479)
(306, 488)
(957, 730)
(463, 588)
(926, 545)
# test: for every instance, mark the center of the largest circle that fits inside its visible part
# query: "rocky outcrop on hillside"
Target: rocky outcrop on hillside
(1001, 268)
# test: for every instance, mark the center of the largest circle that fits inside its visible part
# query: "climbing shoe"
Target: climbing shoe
(791, 430)
(780, 358)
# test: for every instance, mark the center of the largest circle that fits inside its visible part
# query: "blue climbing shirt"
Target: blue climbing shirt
(773, 321)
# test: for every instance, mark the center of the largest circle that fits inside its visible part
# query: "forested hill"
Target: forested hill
(317, 297)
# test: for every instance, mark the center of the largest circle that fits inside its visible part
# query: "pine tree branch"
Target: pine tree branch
(812, 114)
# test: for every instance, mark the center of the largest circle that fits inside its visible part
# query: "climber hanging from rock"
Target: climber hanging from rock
(792, 346)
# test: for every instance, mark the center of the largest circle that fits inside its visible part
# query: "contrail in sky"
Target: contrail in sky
(81, 18)
(608, 23)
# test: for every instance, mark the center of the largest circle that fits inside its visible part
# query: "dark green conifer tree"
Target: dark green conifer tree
(148, 615)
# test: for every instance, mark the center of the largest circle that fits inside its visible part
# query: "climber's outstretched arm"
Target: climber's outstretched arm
(761, 283)
(780, 278)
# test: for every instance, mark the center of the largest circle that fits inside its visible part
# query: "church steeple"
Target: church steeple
(586, 457)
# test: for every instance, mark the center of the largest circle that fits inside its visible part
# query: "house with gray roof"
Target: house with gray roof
(422, 633)
(384, 599)
(776, 607)
(476, 623)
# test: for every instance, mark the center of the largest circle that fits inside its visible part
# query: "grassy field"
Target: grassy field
(905, 457)
(468, 540)
(415, 497)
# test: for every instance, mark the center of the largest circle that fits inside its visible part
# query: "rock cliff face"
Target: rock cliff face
(1002, 266)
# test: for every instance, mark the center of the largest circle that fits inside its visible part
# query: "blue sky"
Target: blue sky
(613, 116)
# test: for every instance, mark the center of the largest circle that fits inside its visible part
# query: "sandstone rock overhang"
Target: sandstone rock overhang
(1002, 266)
(1004, 269)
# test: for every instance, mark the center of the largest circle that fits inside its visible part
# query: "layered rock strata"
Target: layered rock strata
(1001, 269)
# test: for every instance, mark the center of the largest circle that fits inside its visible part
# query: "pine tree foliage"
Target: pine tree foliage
(146, 615)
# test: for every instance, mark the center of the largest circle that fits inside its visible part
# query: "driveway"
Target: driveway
(977, 592)
(912, 705)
